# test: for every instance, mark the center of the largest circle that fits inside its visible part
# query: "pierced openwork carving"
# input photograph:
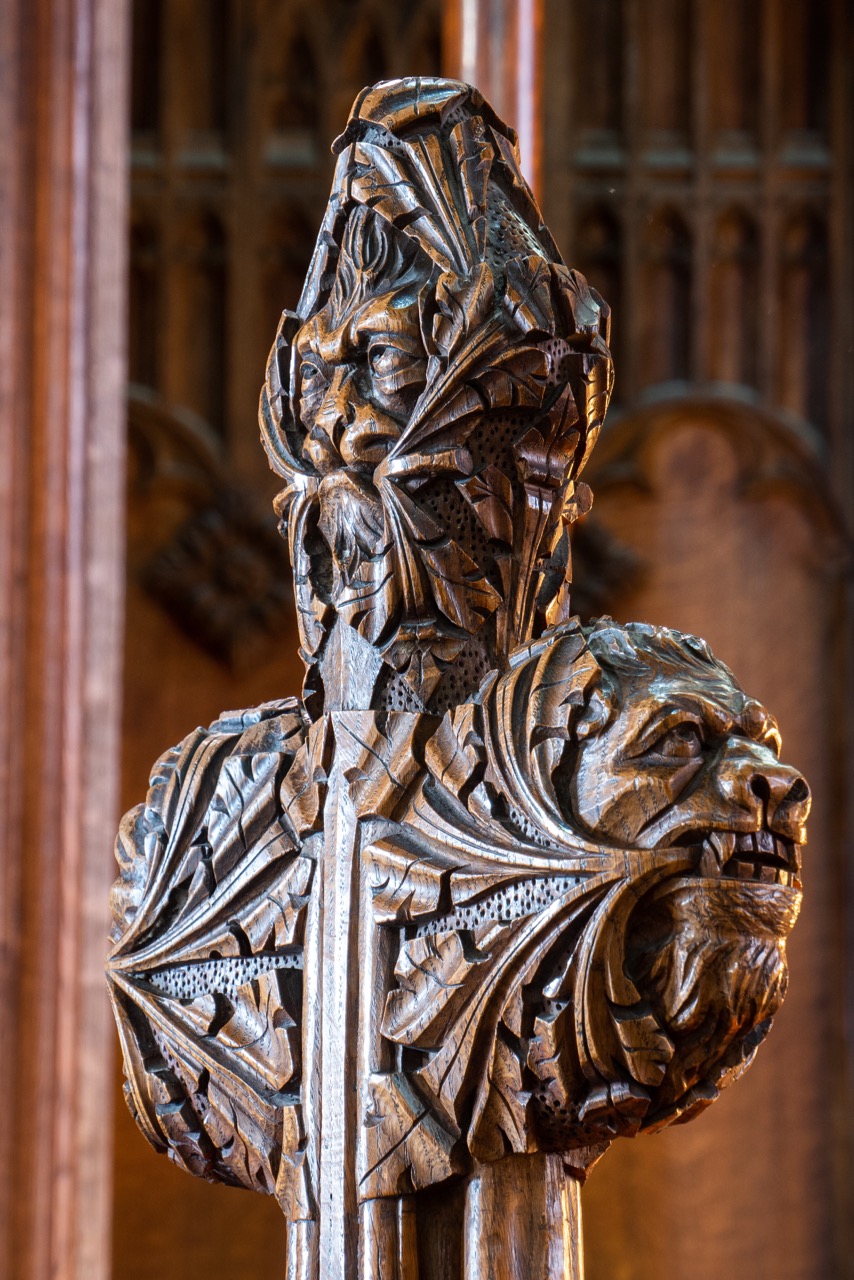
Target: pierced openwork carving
(503, 887)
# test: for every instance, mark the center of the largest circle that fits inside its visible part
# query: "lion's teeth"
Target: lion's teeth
(744, 870)
(744, 842)
(765, 842)
(723, 845)
(709, 865)
(768, 875)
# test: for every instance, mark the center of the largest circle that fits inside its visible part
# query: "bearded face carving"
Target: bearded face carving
(430, 406)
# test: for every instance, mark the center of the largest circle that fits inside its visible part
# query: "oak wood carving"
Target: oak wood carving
(411, 952)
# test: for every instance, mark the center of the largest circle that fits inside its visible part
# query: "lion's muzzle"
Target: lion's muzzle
(773, 795)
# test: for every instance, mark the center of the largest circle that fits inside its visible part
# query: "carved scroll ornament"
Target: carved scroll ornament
(481, 903)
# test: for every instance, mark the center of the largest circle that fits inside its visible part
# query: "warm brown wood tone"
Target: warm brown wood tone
(501, 888)
(663, 477)
(498, 45)
(698, 163)
(62, 172)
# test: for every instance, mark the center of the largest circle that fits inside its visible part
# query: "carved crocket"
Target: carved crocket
(481, 903)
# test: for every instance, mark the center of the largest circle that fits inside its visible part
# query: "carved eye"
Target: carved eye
(384, 360)
(683, 742)
(310, 375)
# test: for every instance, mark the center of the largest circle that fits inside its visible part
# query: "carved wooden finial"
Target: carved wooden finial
(430, 406)
(411, 953)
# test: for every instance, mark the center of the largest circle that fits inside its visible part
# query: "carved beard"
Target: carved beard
(351, 521)
(711, 961)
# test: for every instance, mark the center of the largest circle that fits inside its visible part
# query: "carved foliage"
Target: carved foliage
(444, 364)
(536, 976)
(206, 971)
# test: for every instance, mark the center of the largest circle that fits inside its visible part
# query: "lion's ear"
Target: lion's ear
(595, 716)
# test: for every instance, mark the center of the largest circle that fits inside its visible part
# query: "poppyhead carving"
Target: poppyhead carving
(477, 894)
(430, 406)
(599, 943)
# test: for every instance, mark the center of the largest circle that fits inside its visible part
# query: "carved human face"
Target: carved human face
(684, 762)
(361, 369)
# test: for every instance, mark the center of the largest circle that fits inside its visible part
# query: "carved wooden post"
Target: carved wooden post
(62, 423)
(411, 953)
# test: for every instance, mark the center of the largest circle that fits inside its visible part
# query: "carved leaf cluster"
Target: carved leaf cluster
(206, 970)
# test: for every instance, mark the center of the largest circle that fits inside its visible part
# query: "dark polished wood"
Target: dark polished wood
(63, 157)
(502, 887)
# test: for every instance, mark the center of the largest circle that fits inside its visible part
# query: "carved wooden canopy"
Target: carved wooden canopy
(411, 952)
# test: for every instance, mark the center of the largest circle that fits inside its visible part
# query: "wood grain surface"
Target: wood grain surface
(63, 150)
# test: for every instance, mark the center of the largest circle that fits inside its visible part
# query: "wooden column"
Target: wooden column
(62, 415)
(497, 45)
(523, 1218)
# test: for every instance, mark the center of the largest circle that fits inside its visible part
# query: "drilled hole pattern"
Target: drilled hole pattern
(507, 236)
(522, 898)
(524, 824)
(463, 678)
(226, 976)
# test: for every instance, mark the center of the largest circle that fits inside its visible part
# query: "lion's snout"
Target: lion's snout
(775, 794)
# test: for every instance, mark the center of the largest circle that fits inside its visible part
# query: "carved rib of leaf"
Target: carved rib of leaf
(593, 389)
(243, 807)
(528, 295)
(615, 1035)
(464, 307)
(419, 203)
(470, 1021)
(431, 973)
(402, 1144)
(313, 613)
(195, 892)
(448, 401)
(183, 782)
(499, 1119)
(455, 751)
(490, 494)
(369, 601)
(456, 585)
(474, 158)
(516, 379)
(303, 791)
(262, 1030)
(236, 1114)
(403, 885)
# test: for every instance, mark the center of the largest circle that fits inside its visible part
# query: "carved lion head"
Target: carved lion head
(616, 847)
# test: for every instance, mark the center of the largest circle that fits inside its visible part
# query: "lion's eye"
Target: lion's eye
(683, 742)
(310, 375)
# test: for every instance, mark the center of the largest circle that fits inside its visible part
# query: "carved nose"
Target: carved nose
(786, 797)
(337, 408)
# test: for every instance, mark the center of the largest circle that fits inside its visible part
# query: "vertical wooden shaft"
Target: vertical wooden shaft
(523, 1219)
(62, 427)
(389, 1249)
(497, 45)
